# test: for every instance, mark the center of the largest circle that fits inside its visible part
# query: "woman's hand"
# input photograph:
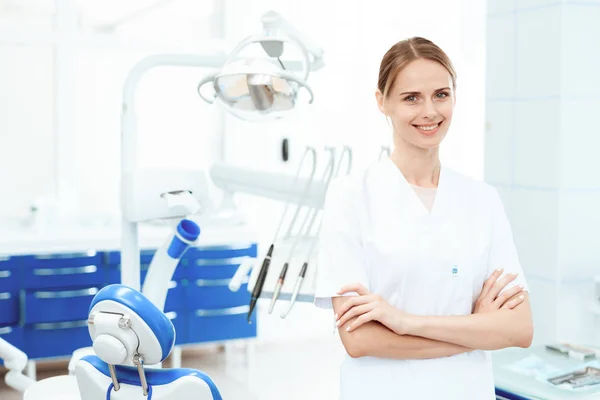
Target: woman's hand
(371, 307)
(490, 301)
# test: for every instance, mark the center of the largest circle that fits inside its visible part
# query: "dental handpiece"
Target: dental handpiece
(278, 286)
(296, 289)
(260, 281)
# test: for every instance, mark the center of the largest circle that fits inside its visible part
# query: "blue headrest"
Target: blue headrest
(154, 377)
(161, 326)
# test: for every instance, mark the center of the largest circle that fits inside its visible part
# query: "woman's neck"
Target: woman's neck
(419, 166)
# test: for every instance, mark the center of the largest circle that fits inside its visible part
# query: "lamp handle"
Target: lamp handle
(207, 79)
(299, 81)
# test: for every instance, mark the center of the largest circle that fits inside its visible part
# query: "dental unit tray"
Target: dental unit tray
(268, 184)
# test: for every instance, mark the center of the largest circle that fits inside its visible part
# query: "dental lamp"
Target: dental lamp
(254, 88)
(245, 88)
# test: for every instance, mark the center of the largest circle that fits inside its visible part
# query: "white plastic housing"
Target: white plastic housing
(63, 387)
(13, 358)
(158, 280)
(143, 192)
(267, 184)
(140, 333)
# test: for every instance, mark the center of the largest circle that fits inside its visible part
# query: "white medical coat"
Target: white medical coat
(376, 231)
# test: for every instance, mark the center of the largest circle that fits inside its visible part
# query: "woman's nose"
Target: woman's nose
(429, 111)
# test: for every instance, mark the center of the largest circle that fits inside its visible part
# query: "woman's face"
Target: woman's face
(420, 104)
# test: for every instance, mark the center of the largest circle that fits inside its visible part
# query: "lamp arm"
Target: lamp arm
(273, 21)
(130, 251)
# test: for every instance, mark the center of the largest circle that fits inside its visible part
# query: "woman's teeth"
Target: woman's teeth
(427, 127)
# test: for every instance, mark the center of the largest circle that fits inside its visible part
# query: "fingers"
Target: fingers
(354, 287)
(514, 302)
(500, 300)
(363, 319)
(490, 282)
(501, 284)
(353, 302)
(354, 312)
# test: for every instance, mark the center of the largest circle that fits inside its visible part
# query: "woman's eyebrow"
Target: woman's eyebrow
(413, 93)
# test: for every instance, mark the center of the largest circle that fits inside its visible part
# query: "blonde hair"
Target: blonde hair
(406, 51)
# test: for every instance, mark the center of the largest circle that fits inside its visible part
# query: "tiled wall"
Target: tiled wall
(542, 144)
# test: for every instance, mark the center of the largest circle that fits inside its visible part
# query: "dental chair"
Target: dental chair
(130, 335)
(129, 332)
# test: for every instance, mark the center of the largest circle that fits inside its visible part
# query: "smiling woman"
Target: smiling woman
(412, 254)
(419, 100)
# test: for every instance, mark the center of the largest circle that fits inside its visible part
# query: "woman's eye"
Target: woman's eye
(442, 95)
(410, 99)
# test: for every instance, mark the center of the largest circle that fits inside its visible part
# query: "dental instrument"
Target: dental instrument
(310, 215)
(260, 281)
(302, 274)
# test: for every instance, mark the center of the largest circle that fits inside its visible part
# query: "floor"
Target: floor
(299, 369)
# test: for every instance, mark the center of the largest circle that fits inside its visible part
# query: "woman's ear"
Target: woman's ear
(379, 97)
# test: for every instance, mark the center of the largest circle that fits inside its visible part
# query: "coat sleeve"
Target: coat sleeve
(503, 252)
(341, 258)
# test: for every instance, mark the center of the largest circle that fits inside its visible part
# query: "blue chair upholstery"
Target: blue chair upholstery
(154, 377)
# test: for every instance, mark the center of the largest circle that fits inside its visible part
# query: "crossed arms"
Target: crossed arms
(369, 326)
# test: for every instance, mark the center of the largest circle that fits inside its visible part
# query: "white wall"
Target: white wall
(541, 152)
(62, 81)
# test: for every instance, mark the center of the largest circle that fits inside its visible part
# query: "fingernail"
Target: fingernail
(521, 297)
(338, 323)
(348, 329)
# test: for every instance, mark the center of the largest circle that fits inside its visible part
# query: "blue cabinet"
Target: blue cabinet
(13, 335)
(57, 305)
(215, 312)
(9, 308)
(62, 270)
(59, 339)
(44, 299)
(112, 262)
(221, 324)
(9, 279)
(9, 291)
(215, 294)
